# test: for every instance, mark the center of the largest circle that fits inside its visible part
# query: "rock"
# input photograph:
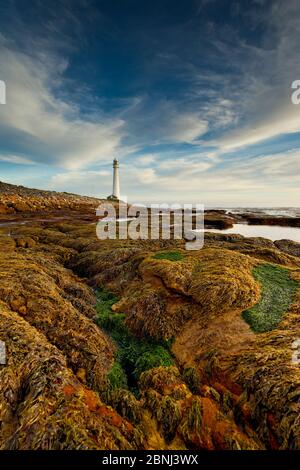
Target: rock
(4, 209)
(30, 243)
(17, 304)
(27, 242)
(219, 223)
(22, 310)
(217, 281)
(55, 410)
(232, 388)
(21, 243)
(271, 220)
(288, 246)
(56, 303)
(21, 207)
(81, 375)
(25, 200)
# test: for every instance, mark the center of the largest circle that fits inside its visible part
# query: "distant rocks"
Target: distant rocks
(271, 220)
(218, 221)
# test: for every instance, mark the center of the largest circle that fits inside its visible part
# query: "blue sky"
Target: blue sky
(192, 96)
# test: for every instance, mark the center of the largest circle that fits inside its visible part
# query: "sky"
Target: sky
(192, 96)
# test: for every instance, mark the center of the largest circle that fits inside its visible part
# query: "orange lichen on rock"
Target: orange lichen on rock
(198, 421)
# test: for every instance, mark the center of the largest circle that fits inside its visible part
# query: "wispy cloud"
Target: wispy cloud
(264, 95)
(48, 129)
(16, 159)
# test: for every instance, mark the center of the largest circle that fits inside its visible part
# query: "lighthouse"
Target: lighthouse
(116, 181)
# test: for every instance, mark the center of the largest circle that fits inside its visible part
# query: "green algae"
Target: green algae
(277, 294)
(169, 255)
(134, 355)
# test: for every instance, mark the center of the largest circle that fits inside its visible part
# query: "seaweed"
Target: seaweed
(277, 294)
(192, 422)
(192, 379)
(134, 355)
(168, 416)
(169, 255)
(117, 377)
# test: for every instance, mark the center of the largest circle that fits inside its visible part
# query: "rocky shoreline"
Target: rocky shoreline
(18, 203)
(140, 344)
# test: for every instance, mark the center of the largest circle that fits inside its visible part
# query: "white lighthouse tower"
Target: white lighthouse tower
(116, 181)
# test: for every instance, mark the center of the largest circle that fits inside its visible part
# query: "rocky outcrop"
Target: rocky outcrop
(18, 201)
(239, 384)
(200, 420)
(174, 292)
(273, 220)
(56, 303)
(43, 404)
(288, 246)
(218, 220)
(229, 387)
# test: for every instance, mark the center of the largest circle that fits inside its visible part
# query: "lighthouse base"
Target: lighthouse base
(112, 197)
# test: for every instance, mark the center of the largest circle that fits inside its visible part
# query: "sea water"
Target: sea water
(272, 232)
